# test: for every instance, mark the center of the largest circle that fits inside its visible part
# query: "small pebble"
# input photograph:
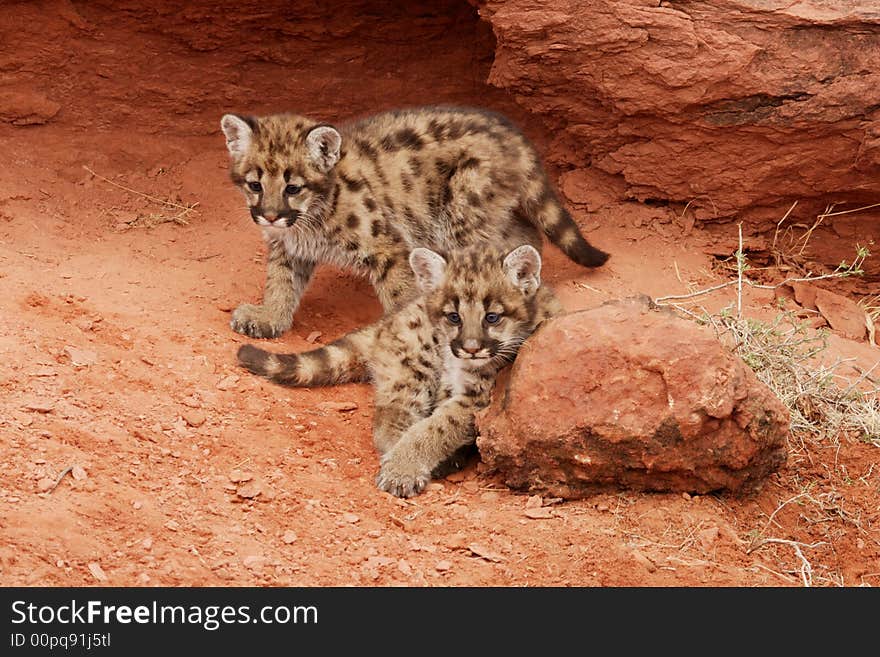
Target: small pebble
(249, 490)
(194, 418)
(97, 572)
(337, 406)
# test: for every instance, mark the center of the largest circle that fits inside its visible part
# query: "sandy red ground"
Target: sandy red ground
(114, 336)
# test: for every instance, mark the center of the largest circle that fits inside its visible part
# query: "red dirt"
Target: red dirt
(115, 330)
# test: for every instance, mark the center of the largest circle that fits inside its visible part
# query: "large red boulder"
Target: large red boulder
(626, 396)
(727, 104)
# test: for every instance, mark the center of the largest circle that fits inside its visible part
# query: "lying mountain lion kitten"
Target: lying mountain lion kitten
(432, 363)
(363, 195)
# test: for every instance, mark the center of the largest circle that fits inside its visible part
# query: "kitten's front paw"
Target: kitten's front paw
(256, 322)
(402, 477)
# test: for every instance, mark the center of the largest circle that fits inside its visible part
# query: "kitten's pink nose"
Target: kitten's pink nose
(270, 216)
(471, 346)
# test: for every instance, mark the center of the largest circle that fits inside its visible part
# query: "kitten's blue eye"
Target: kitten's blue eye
(255, 186)
(293, 190)
(493, 318)
(453, 318)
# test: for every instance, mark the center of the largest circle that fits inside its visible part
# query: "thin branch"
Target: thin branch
(806, 568)
(172, 204)
(835, 214)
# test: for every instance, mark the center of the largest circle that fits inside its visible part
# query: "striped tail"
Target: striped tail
(548, 214)
(342, 361)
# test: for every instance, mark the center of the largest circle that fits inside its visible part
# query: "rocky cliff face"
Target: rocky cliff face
(730, 105)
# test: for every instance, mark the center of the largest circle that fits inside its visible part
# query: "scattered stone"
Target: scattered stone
(237, 476)
(249, 490)
(148, 360)
(351, 517)
(435, 485)
(78, 473)
(708, 538)
(640, 558)
(489, 496)
(534, 502)
(457, 541)
(374, 533)
(194, 417)
(443, 566)
(300, 427)
(45, 484)
(844, 315)
(289, 537)
(225, 306)
(97, 572)
(540, 513)
(85, 324)
(143, 579)
(147, 543)
(337, 406)
(81, 357)
(485, 553)
(39, 405)
(172, 525)
(404, 568)
(313, 336)
(43, 372)
(456, 477)
(191, 401)
(254, 561)
(59, 563)
(137, 505)
(229, 382)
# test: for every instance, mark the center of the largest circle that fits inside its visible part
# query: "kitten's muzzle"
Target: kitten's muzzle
(284, 219)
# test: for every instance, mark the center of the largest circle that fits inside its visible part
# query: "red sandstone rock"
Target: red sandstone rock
(729, 104)
(26, 107)
(843, 315)
(626, 396)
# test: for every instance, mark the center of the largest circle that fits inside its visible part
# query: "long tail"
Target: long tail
(548, 214)
(342, 361)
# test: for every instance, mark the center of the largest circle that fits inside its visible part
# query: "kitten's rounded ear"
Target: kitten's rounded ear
(239, 133)
(523, 268)
(429, 268)
(324, 143)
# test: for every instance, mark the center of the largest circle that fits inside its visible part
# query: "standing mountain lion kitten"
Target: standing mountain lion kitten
(433, 363)
(363, 195)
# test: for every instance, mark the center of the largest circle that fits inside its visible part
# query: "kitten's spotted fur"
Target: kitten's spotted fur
(362, 195)
(433, 363)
